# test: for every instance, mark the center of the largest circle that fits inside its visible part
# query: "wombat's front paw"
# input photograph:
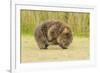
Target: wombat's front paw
(63, 47)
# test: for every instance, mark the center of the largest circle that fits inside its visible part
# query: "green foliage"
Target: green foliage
(78, 21)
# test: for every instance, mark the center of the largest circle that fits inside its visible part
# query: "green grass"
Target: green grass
(78, 21)
(78, 50)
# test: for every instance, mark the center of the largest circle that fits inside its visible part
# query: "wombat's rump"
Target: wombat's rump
(53, 33)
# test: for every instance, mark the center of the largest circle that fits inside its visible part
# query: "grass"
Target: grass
(78, 50)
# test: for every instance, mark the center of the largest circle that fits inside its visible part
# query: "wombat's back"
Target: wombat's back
(49, 31)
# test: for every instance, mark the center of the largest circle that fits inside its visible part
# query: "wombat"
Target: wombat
(53, 32)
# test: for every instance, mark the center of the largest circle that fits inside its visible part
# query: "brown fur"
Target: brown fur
(53, 33)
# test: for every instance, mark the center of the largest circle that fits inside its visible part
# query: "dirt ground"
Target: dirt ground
(78, 50)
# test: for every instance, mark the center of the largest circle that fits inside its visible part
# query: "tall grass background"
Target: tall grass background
(78, 21)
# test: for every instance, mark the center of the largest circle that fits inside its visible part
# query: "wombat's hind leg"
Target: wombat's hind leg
(41, 39)
(44, 46)
(41, 43)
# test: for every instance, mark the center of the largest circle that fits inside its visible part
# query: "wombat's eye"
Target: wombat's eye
(67, 34)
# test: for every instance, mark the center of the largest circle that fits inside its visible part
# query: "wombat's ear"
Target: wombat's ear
(65, 30)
